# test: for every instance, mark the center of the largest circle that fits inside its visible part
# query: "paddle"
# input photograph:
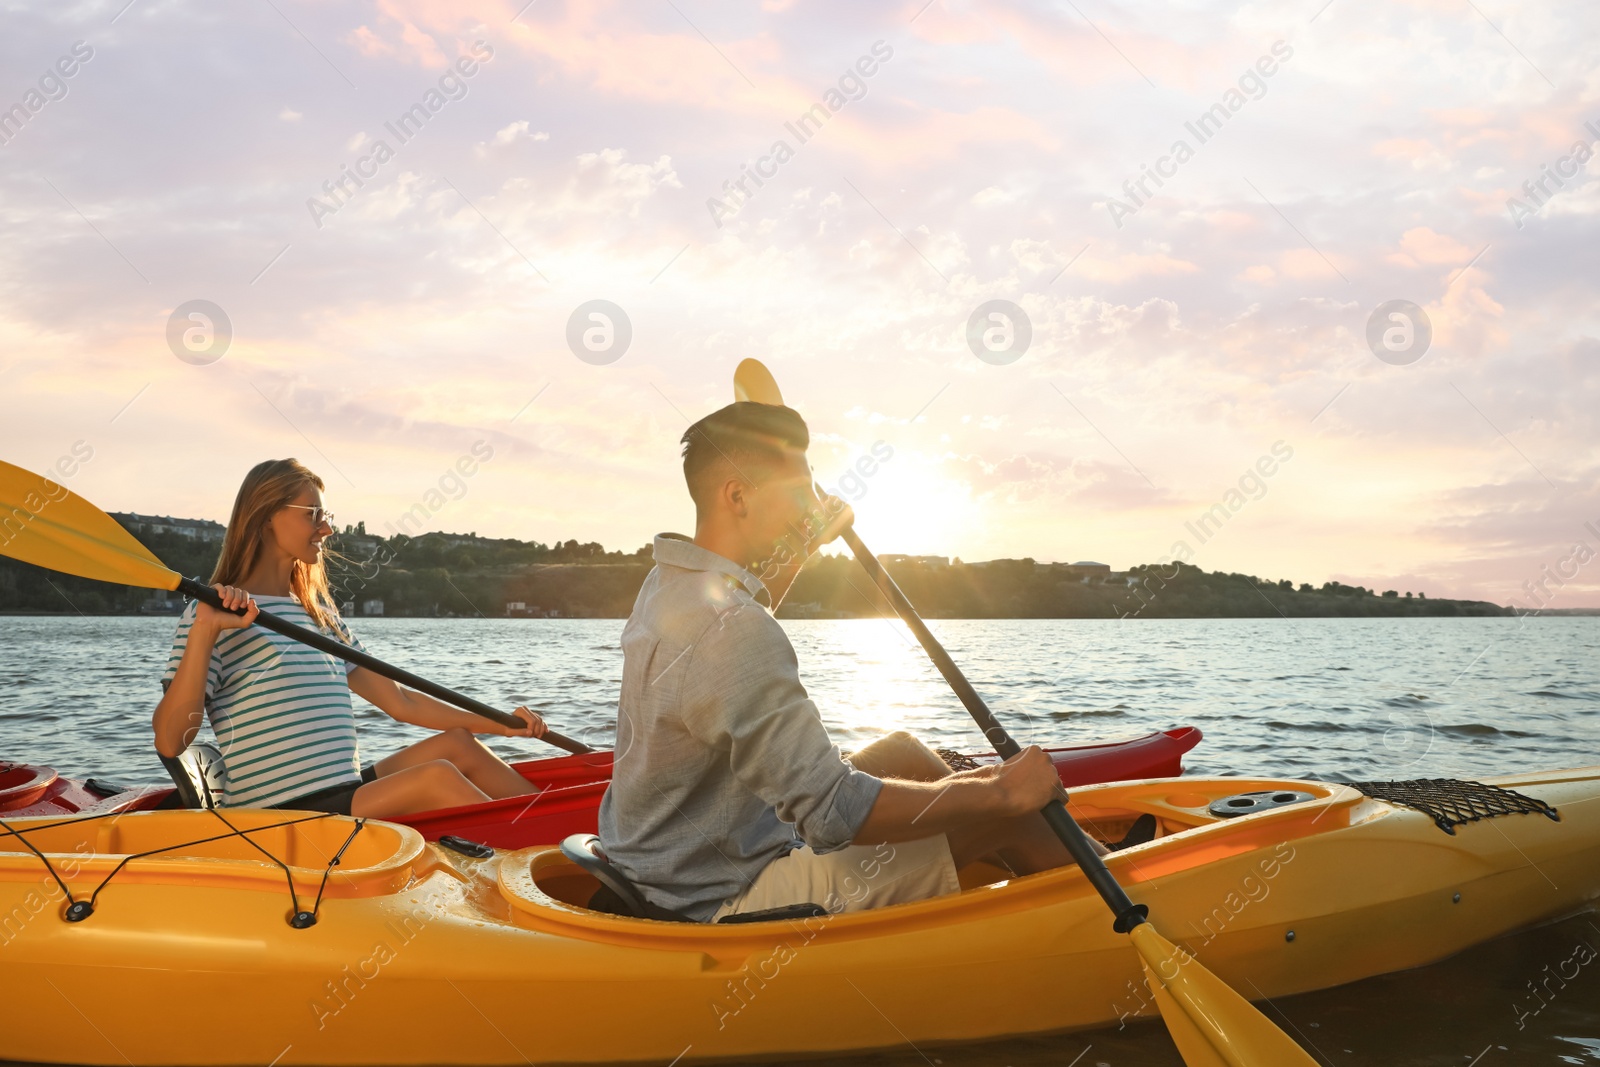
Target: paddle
(1212, 1025)
(44, 523)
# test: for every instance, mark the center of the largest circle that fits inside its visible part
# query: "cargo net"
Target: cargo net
(1450, 802)
(956, 761)
(80, 908)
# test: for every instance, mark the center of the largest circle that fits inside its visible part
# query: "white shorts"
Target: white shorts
(853, 878)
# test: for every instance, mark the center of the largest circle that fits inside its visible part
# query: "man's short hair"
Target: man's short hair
(744, 439)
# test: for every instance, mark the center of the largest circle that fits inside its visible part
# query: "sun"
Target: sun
(915, 510)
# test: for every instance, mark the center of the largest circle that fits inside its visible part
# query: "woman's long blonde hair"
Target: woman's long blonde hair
(268, 488)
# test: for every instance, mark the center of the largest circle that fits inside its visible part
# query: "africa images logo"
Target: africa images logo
(1399, 332)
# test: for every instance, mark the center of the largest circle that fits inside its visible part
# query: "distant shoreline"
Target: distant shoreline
(465, 576)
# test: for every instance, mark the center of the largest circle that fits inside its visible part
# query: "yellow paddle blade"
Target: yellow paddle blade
(44, 523)
(1211, 1024)
(754, 382)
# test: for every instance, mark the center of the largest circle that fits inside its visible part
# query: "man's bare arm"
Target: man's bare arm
(905, 811)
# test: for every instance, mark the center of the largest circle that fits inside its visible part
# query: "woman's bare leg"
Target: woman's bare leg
(420, 787)
(492, 775)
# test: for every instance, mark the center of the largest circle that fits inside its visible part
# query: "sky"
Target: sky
(1055, 280)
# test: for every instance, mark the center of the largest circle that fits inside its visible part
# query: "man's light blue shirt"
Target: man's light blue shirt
(722, 763)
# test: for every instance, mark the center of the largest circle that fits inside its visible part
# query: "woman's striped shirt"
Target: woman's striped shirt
(281, 710)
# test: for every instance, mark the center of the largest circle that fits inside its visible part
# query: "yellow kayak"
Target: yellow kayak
(254, 947)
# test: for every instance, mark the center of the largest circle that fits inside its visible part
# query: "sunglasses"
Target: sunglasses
(318, 515)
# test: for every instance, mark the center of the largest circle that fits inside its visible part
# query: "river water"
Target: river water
(1326, 698)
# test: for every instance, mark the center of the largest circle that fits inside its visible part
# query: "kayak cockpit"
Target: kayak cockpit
(21, 784)
(547, 891)
(243, 849)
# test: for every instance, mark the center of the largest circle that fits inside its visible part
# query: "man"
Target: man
(727, 796)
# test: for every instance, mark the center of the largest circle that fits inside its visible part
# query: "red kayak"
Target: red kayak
(570, 789)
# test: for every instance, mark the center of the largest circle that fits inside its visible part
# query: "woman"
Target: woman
(281, 710)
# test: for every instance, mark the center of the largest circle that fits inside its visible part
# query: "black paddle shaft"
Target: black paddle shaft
(1071, 834)
(198, 590)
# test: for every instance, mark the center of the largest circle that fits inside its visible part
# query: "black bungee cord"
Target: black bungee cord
(79, 910)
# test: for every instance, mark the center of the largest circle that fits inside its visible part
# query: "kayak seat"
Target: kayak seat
(618, 896)
(199, 775)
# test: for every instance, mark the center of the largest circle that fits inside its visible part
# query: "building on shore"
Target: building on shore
(161, 602)
(926, 561)
(193, 529)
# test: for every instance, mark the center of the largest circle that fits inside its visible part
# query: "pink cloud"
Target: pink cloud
(1426, 246)
(413, 45)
